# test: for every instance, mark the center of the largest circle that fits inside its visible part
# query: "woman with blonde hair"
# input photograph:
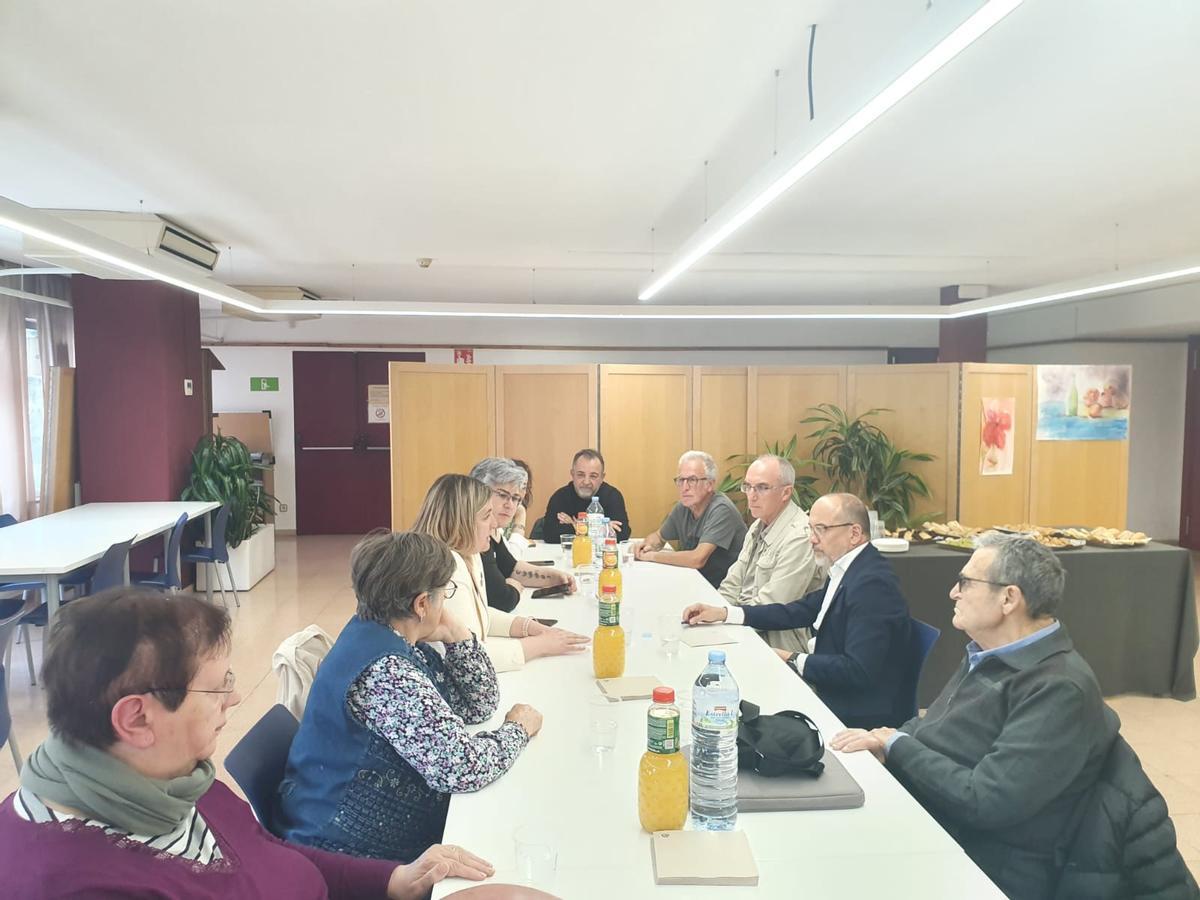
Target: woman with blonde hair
(458, 510)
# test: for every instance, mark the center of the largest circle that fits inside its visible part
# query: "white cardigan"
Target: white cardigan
(491, 626)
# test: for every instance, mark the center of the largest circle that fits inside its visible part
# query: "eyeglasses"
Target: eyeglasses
(448, 590)
(689, 480)
(821, 529)
(748, 488)
(963, 580)
(226, 688)
(506, 496)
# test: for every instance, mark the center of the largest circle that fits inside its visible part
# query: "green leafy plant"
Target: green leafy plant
(222, 471)
(803, 492)
(861, 459)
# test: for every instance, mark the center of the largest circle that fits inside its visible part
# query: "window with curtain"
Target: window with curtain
(35, 387)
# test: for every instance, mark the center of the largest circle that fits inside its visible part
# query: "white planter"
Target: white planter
(251, 561)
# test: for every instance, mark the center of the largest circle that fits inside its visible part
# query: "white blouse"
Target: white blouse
(491, 626)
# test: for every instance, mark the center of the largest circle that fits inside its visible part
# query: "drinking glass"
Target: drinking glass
(537, 855)
(670, 629)
(602, 724)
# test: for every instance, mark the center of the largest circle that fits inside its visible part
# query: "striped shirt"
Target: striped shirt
(191, 840)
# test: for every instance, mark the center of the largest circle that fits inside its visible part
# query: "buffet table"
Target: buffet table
(1130, 611)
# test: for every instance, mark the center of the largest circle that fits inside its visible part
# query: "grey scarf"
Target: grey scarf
(102, 787)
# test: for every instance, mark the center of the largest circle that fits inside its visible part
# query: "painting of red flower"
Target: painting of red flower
(996, 435)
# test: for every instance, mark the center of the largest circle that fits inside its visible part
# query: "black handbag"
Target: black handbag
(785, 743)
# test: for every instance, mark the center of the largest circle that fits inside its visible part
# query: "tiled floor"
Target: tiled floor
(311, 584)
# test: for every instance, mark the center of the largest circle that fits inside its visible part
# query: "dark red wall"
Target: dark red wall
(135, 343)
(961, 340)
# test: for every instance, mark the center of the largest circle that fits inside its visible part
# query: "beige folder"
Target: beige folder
(630, 687)
(702, 857)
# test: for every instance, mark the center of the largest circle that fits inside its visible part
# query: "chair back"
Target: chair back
(11, 612)
(172, 562)
(110, 570)
(7, 519)
(538, 531)
(922, 637)
(219, 546)
(258, 761)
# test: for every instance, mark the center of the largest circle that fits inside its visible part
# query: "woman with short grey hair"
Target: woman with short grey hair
(384, 741)
(503, 573)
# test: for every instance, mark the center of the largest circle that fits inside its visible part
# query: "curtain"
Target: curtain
(16, 453)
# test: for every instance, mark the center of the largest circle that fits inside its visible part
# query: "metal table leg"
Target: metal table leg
(51, 601)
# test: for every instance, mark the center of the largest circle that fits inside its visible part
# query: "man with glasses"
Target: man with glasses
(1019, 733)
(859, 662)
(777, 563)
(704, 523)
(587, 481)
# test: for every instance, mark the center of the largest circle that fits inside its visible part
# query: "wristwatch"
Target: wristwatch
(791, 661)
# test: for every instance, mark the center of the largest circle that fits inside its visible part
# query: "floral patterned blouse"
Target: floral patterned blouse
(396, 700)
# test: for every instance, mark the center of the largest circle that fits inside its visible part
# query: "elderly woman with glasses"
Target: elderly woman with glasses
(121, 799)
(503, 574)
(383, 742)
(459, 510)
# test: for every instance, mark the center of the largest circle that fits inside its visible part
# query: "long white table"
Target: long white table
(889, 847)
(48, 547)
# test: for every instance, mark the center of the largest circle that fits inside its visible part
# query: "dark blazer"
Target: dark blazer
(1005, 754)
(862, 661)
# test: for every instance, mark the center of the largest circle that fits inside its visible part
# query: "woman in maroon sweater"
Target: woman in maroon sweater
(120, 800)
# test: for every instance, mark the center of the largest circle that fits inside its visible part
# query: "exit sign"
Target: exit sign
(264, 384)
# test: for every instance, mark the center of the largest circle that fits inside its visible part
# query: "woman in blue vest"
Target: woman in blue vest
(383, 742)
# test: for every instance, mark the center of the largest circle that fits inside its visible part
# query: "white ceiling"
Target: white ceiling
(329, 145)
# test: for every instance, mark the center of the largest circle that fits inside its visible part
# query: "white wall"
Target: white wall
(1155, 425)
(231, 388)
(231, 393)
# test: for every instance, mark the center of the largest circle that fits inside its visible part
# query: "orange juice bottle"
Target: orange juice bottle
(663, 772)
(608, 641)
(610, 574)
(581, 550)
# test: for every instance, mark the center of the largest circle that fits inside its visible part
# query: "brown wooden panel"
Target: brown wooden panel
(922, 404)
(986, 500)
(780, 396)
(720, 413)
(544, 414)
(645, 425)
(1080, 483)
(443, 420)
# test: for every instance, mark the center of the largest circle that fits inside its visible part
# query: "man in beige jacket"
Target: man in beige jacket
(776, 564)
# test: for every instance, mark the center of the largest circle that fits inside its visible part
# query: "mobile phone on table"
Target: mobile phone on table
(549, 623)
(556, 590)
(540, 562)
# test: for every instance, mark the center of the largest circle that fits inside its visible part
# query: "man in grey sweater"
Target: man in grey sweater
(1021, 731)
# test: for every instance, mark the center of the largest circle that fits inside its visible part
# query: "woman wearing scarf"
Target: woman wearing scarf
(121, 801)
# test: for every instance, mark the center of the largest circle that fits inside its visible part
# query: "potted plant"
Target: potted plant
(803, 492)
(223, 471)
(861, 459)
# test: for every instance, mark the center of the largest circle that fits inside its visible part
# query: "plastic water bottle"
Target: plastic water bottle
(714, 761)
(595, 522)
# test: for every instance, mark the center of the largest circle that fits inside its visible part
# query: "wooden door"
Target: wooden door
(544, 415)
(645, 425)
(720, 415)
(443, 420)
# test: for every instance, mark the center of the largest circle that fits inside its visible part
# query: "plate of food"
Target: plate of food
(962, 545)
(1107, 537)
(912, 535)
(951, 529)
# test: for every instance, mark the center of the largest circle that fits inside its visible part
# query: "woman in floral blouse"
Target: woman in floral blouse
(383, 742)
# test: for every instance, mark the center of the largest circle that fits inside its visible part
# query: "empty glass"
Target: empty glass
(602, 724)
(670, 629)
(537, 855)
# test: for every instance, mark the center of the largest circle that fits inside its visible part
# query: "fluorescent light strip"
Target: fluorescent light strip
(631, 316)
(950, 46)
(118, 263)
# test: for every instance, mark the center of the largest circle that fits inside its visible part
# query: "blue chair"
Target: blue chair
(921, 641)
(258, 761)
(11, 612)
(217, 553)
(109, 571)
(168, 579)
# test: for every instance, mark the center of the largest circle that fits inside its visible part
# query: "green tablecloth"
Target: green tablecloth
(1131, 613)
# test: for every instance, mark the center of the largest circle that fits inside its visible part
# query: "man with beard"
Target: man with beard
(859, 659)
(587, 481)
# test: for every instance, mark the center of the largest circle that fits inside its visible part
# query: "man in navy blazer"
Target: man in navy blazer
(859, 662)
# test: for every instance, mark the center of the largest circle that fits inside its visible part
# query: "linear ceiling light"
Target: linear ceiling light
(716, 230)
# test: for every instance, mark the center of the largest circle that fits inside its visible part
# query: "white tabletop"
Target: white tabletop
(63, 541)
(590, 801)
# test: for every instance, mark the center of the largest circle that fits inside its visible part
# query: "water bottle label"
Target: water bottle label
(610, 613)
(718, 718)
(662, 731)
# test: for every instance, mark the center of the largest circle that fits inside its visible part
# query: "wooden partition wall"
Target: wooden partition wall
(446, 418)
